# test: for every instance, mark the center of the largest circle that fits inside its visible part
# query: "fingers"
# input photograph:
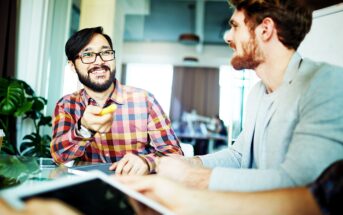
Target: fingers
(157, 162)
(127, 168)
(102, 119)
(121, 164)
(130, 164)
(176, 156)
(170, 167)
(113, 166)
(92, 109)
(101, 122)
(50, 206)
(138, 183)
(104, 128)
(134, 170)
(92, 119)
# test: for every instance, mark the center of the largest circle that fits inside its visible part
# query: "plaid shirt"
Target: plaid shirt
(139, 126)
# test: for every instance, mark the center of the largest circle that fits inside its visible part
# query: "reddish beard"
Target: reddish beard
(250, 59)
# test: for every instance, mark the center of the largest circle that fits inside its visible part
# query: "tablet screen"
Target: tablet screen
(91, 197)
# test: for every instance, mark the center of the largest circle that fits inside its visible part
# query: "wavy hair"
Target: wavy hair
(292, 18)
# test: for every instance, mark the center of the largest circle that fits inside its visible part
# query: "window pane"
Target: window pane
(155, 78)
(234, 89)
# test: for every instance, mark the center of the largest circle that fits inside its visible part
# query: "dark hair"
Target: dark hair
(80, 39)
(293, 20)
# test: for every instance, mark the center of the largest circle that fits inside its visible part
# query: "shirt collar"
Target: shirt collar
(292, 68)
(118, 94)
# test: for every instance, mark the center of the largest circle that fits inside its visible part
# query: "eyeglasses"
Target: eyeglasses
(90, 57)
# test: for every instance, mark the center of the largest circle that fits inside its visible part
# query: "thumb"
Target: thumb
(113, 166)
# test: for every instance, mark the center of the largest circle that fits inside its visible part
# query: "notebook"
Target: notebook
(94, 193)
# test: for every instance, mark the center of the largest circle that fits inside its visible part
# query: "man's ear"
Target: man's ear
(267, 29)
(71, 65)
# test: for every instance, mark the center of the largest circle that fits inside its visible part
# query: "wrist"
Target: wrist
(83, 131)
(195, 161)
(202, 176)
(144, 159)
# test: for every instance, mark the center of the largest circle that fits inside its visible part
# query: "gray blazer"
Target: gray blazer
(303, 133)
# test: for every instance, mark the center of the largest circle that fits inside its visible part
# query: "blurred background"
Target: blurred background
(172, 48)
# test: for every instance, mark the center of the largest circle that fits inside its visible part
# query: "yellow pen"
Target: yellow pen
(109, 109)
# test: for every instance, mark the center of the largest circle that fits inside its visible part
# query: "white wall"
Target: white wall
(324, 42)
(110, 15)
(173, 53)
(42, 33)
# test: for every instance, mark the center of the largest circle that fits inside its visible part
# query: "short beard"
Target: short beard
(86, 81)
(252, 56)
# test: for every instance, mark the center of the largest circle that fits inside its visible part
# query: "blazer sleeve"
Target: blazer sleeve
(230, 157)
(317, 141)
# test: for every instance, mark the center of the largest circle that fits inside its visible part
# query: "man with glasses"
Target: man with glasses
(131, 137)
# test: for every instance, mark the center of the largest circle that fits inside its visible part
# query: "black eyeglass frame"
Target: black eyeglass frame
(96, 55)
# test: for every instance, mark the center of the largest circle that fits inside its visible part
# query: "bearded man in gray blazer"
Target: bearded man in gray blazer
(294, 121)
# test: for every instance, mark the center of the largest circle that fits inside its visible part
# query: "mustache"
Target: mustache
(232, 45)
(104, 67)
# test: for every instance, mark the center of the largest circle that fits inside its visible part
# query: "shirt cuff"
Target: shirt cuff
(150, 160)
(82, 141)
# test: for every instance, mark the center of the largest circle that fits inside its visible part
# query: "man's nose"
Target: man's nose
(227, 36)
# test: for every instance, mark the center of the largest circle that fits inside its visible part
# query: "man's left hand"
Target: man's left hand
(130, 164)
(184, 170)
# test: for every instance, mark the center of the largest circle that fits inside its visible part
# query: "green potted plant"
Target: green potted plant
(17, 99)
(15, 170)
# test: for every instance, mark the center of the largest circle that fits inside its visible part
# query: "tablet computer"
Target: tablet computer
(81, 170)
(90, 194)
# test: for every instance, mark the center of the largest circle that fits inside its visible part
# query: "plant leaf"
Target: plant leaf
(26, 145)
(12, 99)
(29, 137)
(23, 109)
(38, 105)
(45, 120)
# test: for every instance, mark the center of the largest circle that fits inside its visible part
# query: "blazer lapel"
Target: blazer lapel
(249, 127)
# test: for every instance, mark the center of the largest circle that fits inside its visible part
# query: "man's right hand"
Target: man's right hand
(170, 194)
(188, 171)
(92, 119)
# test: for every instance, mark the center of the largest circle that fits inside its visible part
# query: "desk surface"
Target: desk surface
(209, 136)
(18, 170)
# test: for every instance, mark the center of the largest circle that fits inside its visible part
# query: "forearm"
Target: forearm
(287, 202)
(68, 146)
(195, 161)
(165, 142)
(233, 179)
(197, 177)
(224, 158)
(162, 149)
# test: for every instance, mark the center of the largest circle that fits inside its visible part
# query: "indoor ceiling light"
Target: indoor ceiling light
(189, 39)
(189, 59)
